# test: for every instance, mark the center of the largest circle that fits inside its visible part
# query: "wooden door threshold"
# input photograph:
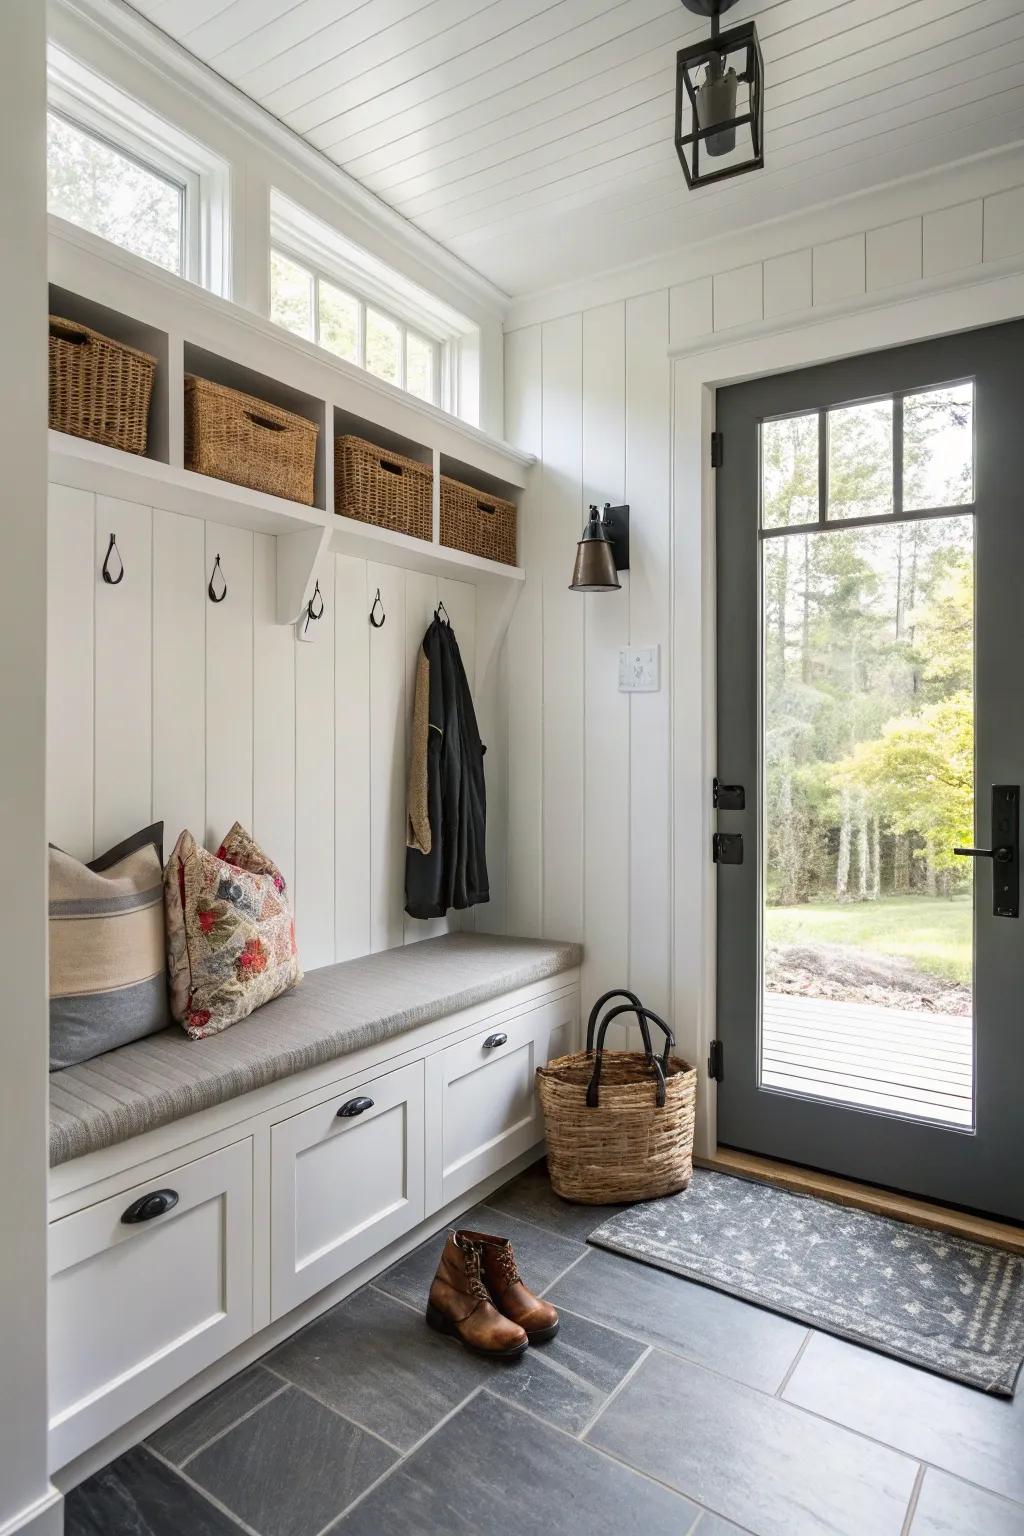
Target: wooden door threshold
(867, 1197)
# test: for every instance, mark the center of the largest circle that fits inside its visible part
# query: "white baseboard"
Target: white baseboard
(43, 1518)
(268, 1338)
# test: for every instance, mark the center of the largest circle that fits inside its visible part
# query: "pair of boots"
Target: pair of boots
(478, 1296)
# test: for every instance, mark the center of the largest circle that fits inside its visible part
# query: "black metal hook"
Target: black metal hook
(112, 549)
(378, 623)
(309, 606)
(213, 577)
(442, 610)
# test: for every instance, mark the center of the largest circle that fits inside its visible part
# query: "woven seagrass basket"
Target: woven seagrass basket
(374, 485)
(619, 1123)
(477, 523)
(99, 388)
(236, 437)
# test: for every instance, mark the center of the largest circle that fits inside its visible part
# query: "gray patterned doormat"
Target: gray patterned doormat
(953, 1306)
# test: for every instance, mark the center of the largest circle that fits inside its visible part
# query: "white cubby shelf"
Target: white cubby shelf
(191, 331)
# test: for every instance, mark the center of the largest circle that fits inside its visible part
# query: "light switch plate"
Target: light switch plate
(640, 669)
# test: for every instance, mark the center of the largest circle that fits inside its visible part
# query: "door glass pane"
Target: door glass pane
(789, 471)
(860, 479)
(938, 448)
(339, 321)
(291, 295)
(94, 186)
(419, 366)
(868, 752)
(383, 346)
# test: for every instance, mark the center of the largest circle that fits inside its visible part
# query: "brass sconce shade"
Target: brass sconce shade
(602, 552)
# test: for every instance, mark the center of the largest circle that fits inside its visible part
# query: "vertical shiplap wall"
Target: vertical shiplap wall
(164, 706)
(589, 830)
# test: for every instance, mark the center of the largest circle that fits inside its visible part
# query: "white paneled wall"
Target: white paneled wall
(165, 706)
(588, 766)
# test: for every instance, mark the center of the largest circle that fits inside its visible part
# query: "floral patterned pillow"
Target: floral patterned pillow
(230, 935)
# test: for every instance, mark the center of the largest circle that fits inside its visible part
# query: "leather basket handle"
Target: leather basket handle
(659, 1068)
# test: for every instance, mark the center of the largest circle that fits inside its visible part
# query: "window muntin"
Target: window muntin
(114, 194)
(311, 304)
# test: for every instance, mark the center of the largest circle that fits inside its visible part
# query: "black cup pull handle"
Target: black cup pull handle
(354, 1107)
(157, 1203)
(493, 1041)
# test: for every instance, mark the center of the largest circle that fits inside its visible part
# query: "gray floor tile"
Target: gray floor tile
(377, 1362)
(542, 1256)
(948, 1507)
(964, 1431)
(531, 1198)
(566, 1381)
(743, 1341)
(184, 1435)
(753, 1458)
(714, 1525)
(291, 1467)
(493, 1471)
(136, 1495)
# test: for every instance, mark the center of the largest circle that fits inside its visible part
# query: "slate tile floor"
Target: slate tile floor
(662, 1408)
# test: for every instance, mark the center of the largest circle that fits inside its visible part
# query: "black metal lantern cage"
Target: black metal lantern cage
(741, 39)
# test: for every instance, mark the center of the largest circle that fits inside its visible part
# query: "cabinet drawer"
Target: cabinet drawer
(136, 1308)
(344, 1184)
(485, 1090)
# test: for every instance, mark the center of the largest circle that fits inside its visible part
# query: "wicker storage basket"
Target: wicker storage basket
(237, 437)
(374, 485)
(99, 388)
(477, 523)
(619, 1124)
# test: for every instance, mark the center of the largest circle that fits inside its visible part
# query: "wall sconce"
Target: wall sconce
(719, 100)
(603, 551)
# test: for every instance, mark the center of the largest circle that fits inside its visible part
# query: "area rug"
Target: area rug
(945, 1303)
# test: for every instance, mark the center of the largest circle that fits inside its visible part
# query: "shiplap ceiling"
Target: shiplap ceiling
(534, 139)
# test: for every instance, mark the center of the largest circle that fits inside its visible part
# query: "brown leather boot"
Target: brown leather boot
(511, 1297)
(459, 1304)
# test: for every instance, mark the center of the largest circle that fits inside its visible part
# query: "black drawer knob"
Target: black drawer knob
(148, 1206)
(494, 1040)
(354, 1107)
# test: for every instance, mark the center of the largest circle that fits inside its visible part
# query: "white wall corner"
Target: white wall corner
(953, 238)
(894, 255)
(787, 284)
(739, 296)
(838, 270)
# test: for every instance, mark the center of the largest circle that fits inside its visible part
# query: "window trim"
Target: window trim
(102, 111)
(318, 273)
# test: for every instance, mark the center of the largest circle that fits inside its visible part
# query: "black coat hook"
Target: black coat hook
(378, 623)
(319, 613)
(112, 549)
(442, 612)
(213, 577)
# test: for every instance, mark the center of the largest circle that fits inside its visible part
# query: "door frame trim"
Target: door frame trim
(990, 300)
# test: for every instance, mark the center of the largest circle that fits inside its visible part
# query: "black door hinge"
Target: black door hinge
(716, 1066)
(727, 847)
(717, 450)
(727, 797)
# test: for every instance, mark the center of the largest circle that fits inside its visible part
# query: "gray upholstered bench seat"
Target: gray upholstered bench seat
(338, 1009)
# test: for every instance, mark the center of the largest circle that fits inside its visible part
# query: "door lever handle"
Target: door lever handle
(1002, 855)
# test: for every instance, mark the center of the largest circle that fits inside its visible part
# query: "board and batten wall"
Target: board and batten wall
(162, 705)
(589, 777)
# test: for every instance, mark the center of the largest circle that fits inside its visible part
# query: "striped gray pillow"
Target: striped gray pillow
(108, 973)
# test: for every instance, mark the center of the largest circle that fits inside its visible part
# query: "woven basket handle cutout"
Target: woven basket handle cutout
(659, 1068)
(483, 506)
(264, 421)
(60, 330)
(392, 469)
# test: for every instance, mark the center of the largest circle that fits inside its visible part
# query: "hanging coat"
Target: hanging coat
(445, 863)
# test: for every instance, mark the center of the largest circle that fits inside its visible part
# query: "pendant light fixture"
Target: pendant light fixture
(719, 100)
(603, 551)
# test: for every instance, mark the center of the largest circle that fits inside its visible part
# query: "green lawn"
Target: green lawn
(932, 933)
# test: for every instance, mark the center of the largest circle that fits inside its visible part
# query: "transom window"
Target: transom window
(308, 302)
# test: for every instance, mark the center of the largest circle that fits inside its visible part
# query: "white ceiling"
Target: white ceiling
(534, 137)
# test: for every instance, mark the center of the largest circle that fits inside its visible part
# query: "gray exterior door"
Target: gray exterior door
(870, 528)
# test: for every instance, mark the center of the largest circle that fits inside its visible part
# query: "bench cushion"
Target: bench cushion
(334, 1011)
